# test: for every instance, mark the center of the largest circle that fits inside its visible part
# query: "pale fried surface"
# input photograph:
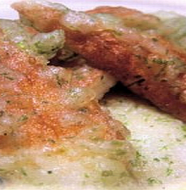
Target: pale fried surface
(53, 130)
(30, 40)
(159, 140)
(42, 104)
(130, 17)
(149, 65)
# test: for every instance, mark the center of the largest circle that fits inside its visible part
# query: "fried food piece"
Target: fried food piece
(29, 39)
(130, 17)
(40, 104)
(51, 121)
(170, 25)
(145, 62)
(173, 28)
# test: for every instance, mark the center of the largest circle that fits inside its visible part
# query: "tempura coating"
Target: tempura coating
(130, 17)
(145, 62)
(32, 41)
(41, 104)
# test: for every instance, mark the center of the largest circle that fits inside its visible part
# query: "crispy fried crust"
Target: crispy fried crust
(126, 61)
(131, 17)
(40, 105)
(147, 64)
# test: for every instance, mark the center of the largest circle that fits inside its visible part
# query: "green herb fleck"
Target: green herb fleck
(183, 128)
(120, 152)
(169, 171)
(23, 118)
(153, 181)
(167, 159)
(123, 174)
(86, 175)
(94, 138)
(23, 172)
(138, 154)
(107, 173)
(156, 159)
(117, 143)
(166, 147)
(21, 45)
(162, 61)
(159, 61)
(139, 160)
